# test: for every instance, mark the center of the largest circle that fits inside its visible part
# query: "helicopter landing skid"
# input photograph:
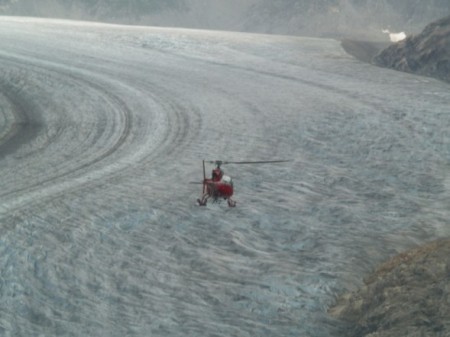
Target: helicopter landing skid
(231, 203)
(201, 202)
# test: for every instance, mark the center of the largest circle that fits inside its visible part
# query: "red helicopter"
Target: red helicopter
(220, 186)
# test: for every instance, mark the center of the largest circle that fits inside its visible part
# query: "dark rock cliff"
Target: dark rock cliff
(427, 53)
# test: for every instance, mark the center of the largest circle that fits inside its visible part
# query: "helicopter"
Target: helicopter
(220, 186)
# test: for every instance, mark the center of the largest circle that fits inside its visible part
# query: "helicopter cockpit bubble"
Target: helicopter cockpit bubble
(227, 180)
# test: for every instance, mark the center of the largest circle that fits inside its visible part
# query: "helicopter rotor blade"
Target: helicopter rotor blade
(257, 162)
(220, 162)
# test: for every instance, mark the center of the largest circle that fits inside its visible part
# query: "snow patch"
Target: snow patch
(395, 37)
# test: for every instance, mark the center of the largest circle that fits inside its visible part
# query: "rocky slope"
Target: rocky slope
(349, 18)
(409, 295)
(427, 53)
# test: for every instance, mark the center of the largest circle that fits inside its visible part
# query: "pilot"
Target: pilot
(217, 174)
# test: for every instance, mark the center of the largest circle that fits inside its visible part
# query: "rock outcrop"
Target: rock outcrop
(427, 53)
(409, 295)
